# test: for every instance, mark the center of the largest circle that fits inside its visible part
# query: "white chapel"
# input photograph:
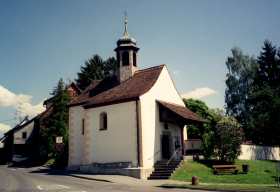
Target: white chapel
(130, 123)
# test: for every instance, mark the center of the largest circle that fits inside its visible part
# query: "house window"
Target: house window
(125, 58)
(24, 135)
(83, 126)
(103, 121)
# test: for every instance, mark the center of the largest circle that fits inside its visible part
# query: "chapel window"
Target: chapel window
(83, 126)
(103, 121)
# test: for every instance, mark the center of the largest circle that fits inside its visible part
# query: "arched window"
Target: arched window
(103, 121)
(125, 58)
(134, 59)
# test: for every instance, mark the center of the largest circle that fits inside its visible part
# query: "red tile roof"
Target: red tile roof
(85, 95)
(182, 111)
(107, 92)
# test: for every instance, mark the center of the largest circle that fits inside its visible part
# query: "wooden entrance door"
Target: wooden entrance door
(165, 146)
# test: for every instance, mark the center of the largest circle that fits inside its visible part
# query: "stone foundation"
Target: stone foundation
(137, 172)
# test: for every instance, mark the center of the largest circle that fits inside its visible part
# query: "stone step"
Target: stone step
(171, 163)
(164, 170)
(161, 174)
(164, 167)
(158, 177)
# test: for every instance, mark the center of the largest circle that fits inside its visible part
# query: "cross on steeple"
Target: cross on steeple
(125, 33)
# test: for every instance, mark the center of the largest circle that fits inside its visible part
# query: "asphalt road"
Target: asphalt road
(29, 180)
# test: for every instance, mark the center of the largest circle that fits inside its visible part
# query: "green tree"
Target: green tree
(229, 138)
(206, 132)
(57, 125)
(264, 98)
(239, 79)
(96, 68)
(268, 68)
(200, 108)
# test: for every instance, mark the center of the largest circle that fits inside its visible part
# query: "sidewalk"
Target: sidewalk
(117, 179)
(125, 180)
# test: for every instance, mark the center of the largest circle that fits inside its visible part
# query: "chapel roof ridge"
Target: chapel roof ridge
(150, 68)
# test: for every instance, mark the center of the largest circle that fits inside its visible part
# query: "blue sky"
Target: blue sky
(41, 41)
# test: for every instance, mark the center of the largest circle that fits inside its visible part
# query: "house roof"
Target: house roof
(21, 125)
(182, 111)
(108, 91)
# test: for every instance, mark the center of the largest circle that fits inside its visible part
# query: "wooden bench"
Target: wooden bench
(225, 169)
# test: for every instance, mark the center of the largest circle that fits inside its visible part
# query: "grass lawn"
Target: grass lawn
(226, 187)
(260, 172)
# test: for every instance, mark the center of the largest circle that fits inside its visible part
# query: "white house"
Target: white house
(126, 124)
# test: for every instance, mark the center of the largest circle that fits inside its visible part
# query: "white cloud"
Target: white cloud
(20, 102)
(30, 110)
(199, 93)
(4, 128)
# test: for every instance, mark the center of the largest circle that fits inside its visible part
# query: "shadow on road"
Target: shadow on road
(63, 172)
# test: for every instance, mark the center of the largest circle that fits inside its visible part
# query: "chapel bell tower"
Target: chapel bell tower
(126, 53)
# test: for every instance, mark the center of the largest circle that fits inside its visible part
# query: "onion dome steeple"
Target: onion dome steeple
(126, 52)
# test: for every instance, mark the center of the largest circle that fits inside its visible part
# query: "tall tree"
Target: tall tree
(264, 98)
(239, 78)
(57, 125)
(96, 68)
(269, 68)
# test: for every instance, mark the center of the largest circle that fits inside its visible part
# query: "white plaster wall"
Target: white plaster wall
(18, 135)
(164, 90)
(75, 135)
(119, 142)
(256, 152)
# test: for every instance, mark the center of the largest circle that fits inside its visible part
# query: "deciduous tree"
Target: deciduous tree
(228, 140)
(206, 132)
(239, 79)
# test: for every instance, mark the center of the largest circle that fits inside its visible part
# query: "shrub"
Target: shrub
(229, 139)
